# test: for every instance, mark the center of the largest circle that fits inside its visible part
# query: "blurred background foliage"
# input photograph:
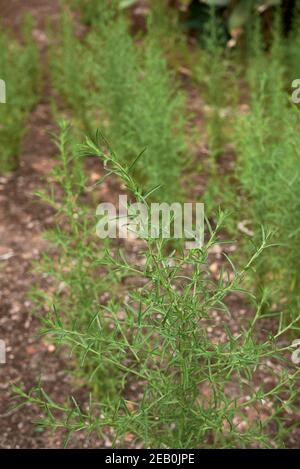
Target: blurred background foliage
(233, 15)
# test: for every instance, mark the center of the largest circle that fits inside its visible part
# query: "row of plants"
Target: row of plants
(150, 329)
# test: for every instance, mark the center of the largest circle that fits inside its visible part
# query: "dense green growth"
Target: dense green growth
(156, 337)
(94, 12)
(148, 323)
(65, 63)
(267, 142)
(212, 74)
(129, 91)
(262, 188)
(19, 70)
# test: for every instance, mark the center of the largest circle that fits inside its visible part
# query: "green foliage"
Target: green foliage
(150, 328)
(292, 49)
(155, 337)
(131, 91)
(234, 15)
(211, 74)
(69, 71)
(116, 75)
(19, 70)
(73, 263)
(95, 12)
(144, 107)
(267, 167)
(163, 24)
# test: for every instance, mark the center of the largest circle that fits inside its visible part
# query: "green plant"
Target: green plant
(144, 107)
(163, 24)
(267, 161)
(131, 91)
(75, 269)
(211, 74)
(19, 70)
(65, 62)
(94, 12)
(293, 45)
(218, 75)
(194, 390)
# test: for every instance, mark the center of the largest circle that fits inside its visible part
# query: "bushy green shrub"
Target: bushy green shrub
(70, 70)
(76, 271)
(19, 70)
(267, 166)
(211, 74)
(144, 107)
(129, 89)
(194, 390)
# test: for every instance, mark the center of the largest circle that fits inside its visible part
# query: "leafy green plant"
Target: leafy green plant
(143, 105)
(268, 158)
(218, 75)
(163, 24)
(211, 73)
(129, 89)
(76, 272)
(19, 70)
(194, 390)
(72, 87)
